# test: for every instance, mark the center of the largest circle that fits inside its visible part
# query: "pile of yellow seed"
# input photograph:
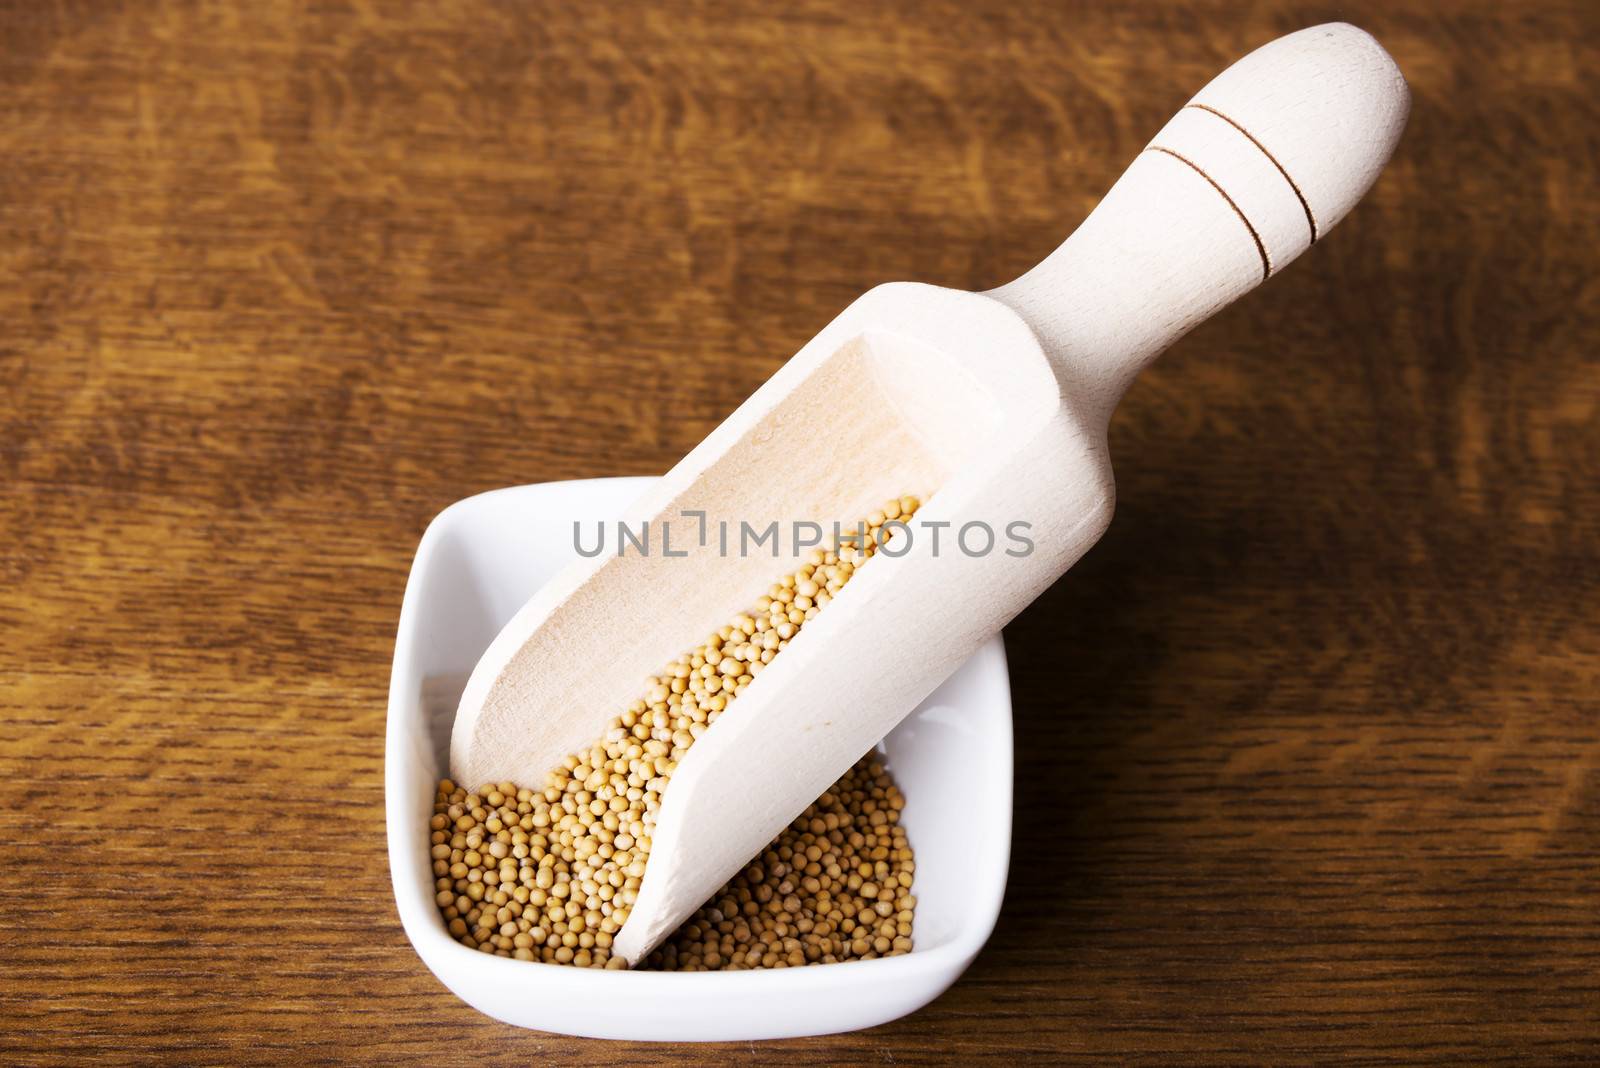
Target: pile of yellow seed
(834, 886)
(551, 874)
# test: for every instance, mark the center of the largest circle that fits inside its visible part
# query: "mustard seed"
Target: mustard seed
(794, 929)
(550, 874)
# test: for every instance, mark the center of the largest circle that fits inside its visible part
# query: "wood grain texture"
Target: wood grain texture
(1308, 748)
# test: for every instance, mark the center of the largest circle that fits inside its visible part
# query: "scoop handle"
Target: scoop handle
(1249, 174)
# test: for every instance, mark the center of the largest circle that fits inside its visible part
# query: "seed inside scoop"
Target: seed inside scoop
(550, 874)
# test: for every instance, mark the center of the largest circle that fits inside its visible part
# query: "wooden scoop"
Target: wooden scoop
(992, 407)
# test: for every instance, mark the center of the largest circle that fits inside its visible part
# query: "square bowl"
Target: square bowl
(479, 560)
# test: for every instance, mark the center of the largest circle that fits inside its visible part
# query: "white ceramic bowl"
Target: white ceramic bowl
(480, 559)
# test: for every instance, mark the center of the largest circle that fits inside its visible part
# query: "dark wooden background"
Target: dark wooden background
(1308, 749)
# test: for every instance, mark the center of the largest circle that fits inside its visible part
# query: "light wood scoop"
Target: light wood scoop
(991, 407)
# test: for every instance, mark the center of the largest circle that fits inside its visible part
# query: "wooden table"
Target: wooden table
(1308, 749)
